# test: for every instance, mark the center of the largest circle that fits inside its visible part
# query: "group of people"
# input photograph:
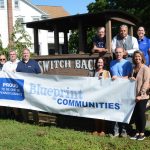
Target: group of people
(132, 61)
(25, 65)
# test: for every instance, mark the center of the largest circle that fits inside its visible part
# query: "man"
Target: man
(144, 44)
(3, 110)
(129, 43)
(28, 65)
(99, 41)
(120, 68)
(11, 65)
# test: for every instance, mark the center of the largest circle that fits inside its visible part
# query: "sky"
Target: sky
(72, 6)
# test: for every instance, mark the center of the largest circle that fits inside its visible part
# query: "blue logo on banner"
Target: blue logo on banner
(11, 89)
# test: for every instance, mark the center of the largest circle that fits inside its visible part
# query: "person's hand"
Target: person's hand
(105, 50)
(100, 77)
(138, 98)
(132, 78)
(94, 50)
(114, 77)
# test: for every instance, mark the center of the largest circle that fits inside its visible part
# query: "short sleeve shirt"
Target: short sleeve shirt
(30, 67)
(100, 42)
(120, 68)
(144, 45)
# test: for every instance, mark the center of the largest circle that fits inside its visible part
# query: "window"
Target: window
(21, 20)
(35, 18)
(16, 3)
(2, 4)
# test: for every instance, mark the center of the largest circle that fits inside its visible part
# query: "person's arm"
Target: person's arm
(97, 49)
(116, 77)
(113, 43)
(145, 85)
(146, 79)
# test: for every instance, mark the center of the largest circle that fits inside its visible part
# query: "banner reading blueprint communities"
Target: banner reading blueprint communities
(69, 95)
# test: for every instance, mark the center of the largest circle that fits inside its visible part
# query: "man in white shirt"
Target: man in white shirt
(129, 43)
(11, 65)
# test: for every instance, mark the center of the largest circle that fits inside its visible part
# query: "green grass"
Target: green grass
(20, 136)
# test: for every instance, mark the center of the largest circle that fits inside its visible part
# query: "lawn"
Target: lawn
(20, 136)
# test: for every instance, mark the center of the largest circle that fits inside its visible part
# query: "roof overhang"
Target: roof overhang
(87, 20)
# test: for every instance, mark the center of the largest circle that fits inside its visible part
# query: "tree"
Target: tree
(19, 38)
(1, 46)
(73, 42)
(138, 8)
(3, 50)
(96, 7)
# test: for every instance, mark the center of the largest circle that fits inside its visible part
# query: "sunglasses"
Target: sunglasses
(2, 59)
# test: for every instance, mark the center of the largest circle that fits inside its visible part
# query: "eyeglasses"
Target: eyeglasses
(2, 59)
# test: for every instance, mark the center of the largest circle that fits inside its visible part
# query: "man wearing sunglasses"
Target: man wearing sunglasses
(2, 61)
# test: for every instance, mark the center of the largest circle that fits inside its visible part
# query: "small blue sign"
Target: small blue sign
(12, 89)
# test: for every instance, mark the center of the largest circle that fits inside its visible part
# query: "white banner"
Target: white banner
(69, 95)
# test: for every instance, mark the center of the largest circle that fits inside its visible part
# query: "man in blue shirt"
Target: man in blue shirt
(99, 41)
(120, 68)
(28, 65)
(144, 44)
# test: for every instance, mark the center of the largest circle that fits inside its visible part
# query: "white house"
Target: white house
(24, 10)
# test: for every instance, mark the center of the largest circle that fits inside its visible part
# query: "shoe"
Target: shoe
(134, 137)
(141, 137)
(101, 133)
(124, 135)
(95, 133)
(114, 135)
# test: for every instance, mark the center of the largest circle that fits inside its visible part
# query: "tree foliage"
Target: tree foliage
(20, 38)
(138, 8)
(3, 51)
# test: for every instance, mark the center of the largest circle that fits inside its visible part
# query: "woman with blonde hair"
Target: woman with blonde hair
(141, 75)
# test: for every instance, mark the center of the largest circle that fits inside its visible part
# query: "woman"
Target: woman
(141, 76)
(101, 73)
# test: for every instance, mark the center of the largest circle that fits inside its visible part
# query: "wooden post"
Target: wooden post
(56, 40)
(131, 30)
(81, 38)
(65, 50)
(10, 19)
(108, 35)
(36, 41)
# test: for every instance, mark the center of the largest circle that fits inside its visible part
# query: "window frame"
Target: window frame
(2, 4)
